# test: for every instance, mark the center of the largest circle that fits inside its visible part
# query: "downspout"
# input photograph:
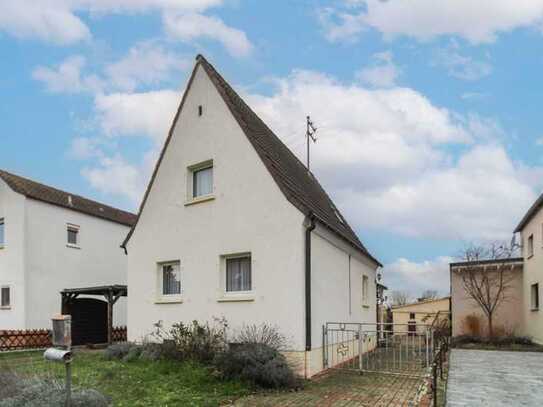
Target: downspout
(308, 231)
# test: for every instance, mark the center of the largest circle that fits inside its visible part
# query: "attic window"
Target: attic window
(200, 110)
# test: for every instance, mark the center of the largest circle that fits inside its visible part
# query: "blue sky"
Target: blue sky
(429, 115)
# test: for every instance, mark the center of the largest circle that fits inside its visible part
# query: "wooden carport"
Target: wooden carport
(111, 293)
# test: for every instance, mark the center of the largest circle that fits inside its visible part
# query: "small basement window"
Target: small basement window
(72, 235)
(535, 297)
(5, 297)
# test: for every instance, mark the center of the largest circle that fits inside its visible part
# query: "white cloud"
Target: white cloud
(58, 21)
(385, 157)
(46, 20)
(142, 114)
(383, 73)
(460, 66)
(415, 277)
(147, 63)
(476, 21)
(190, 26)
(115, 176)
(67, 78)
(83, 148)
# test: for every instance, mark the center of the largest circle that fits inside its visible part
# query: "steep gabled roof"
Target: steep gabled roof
(292, 177)
(53, 196)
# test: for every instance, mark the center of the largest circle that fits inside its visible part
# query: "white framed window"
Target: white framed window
(5, 297)
(530, 244)
(535, 297)
(238, 274)
(365, 290)
(72, 235)
(169, 280)
(2, 233)
(200, 182)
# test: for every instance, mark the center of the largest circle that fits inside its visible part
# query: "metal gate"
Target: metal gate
(378, 347)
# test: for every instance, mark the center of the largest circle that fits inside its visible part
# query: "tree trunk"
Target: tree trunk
(490, 327)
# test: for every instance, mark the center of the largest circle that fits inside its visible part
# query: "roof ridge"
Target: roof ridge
(52, 195)
(62, 191)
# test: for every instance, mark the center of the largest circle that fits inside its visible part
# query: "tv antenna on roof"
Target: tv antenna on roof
(310, 135)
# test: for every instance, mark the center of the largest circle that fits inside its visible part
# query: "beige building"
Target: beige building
(468, 317)
(419, 314)
(531, 238)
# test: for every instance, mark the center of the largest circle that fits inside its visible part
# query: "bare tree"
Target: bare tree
(399, 297)
(429, 295)
(487, 283)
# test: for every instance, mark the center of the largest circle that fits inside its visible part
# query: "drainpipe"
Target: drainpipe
(308, 231)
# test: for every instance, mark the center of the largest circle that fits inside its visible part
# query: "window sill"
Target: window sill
(236, 298)
(365, 306)
(200, 199)
(534, 309)
(166, 300)
(73, 246)
(5, 308)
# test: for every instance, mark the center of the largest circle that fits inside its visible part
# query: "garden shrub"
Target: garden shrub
(506, 340)
(258, 364)
(264, 334)
(50, 393)
(118, 351)
(195, 341)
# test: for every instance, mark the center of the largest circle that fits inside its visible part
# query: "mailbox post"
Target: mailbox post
(62, 350)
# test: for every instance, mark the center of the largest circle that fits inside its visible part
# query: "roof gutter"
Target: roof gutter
(309, 228)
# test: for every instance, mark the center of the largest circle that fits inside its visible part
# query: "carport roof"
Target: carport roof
(98, 290)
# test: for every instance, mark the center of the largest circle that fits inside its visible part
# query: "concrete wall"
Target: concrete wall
(533, 273)
(12, 257)
(51, 265)
(248, 214)
(507, 318)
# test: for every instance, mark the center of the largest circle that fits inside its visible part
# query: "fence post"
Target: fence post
(360, 347)
(434, 384)
(427, 349)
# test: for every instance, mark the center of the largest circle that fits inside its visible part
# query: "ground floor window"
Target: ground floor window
(5, 297)
(170, 278)
(535, 297)
(238, 274)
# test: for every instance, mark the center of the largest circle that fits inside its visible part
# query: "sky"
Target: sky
(428, 113)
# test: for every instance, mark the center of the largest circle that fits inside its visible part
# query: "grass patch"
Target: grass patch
(136, 383)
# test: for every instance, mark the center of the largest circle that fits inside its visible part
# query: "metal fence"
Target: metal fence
(374, 347)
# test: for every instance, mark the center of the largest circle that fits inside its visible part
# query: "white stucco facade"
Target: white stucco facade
(246, 213)
(36, 262)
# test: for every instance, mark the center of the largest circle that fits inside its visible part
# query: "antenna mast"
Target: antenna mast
(310, 135)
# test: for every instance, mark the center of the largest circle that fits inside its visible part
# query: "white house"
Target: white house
(51, 240)
(232, 224)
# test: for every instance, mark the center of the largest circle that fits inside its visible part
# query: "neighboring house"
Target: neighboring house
(468, 317)
(416, 316)
(531, 238)
(232, 224)
(51, 240)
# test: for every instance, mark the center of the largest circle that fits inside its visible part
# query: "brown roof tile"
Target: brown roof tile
(44, 193)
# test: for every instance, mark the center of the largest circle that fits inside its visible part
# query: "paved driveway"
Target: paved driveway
(495, 378)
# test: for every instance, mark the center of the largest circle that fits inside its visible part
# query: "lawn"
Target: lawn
(137, 383)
